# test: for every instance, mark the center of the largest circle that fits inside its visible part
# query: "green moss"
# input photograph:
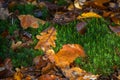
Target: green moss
(24, 9)
(61, 2)
(99, 42)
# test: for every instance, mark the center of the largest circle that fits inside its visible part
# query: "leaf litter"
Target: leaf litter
(51, 65)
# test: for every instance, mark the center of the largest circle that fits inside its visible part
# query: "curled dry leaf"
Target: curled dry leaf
(81, 27)
(73, 73)
(68, 54)
(63, 18)
(46, 39)
(6, 68)
(29, 21)
(16, 45)
(100, 3)
(78, 4)
(4, 13)
(40, 61)
(76, 73)
(115, 29)
(8, 64)
(89, 15)
(71, 7)
(116, 20)
(106, 13)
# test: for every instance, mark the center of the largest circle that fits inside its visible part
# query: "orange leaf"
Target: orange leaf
(46, 39)
(115, 20)
(29, 21)
(68, 54)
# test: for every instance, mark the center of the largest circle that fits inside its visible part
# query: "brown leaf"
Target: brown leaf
(115, 19)
(4, 13)
(40, 62)
(100, 3)
(65, 17)
(46, 39)
(73, 73)
(81, 27)
(47, 68)
(115, 29)
(4, 33)
(68, 54)
(29, 21)
(76, 73)
(106, 13)
(8, 64)
(6, 68)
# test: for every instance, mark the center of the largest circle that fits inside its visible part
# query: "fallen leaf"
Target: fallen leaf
(4, 33)
(8, 64)
(6, 69)
(68, 54)
(115, 29)
(78, 4)
(28, 78)
(71, 7)
(18, 75)
(74, 73)
(29, 21)
(81, 27)
(47, 68)
(65, 17)
(118, 77)
(48, 77)
(40, 62)
(46, 39)
(89, 15)
(4, 13)
(106, 13)
(100, 3)
(15, 45)
(116, 20)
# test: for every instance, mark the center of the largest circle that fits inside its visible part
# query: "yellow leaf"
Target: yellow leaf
(89, 15)
(18, 75)
(46, 39)
(71, 7)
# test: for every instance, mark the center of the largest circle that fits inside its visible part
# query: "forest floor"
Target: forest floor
(64, 40)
